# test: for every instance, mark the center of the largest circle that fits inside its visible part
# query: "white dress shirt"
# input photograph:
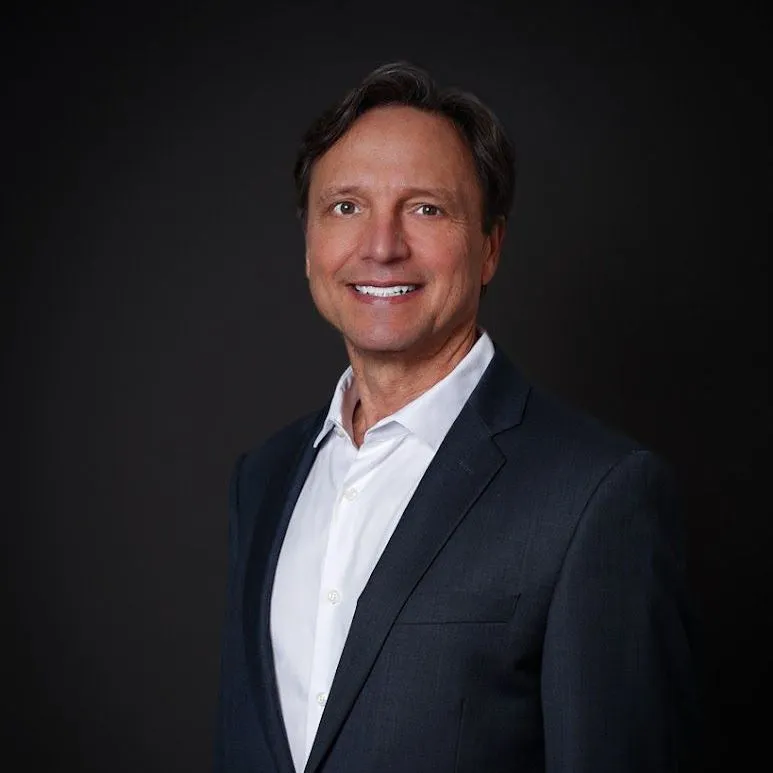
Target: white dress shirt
(348, 509)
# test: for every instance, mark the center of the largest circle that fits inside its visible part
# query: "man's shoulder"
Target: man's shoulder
(566, 452)
(284, 443)
(546, 434)
(275, 456)
(542, 416)
(570, 425)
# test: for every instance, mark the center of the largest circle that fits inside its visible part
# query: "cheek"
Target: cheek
(320, 289)
(319, 264)
(317, 278)
(328, 250)
(453, 260)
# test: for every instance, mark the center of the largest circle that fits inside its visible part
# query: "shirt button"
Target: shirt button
(350, 493)
(339, 432)
(321, 698)
(333, 596)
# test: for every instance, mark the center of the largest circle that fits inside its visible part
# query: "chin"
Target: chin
(382, 344)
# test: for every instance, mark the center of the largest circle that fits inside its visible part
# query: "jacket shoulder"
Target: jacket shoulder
(571, 427)
(566, 452)
(284, 441)
(274, 456)
(517, 412)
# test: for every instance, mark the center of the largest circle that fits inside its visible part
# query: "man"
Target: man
(444, 569)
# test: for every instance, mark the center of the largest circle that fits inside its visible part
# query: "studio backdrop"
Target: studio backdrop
(156, 319)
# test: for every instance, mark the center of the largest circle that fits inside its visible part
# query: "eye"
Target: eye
(345, 208)
(429, 210)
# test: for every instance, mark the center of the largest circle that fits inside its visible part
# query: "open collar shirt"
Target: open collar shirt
(346, 513)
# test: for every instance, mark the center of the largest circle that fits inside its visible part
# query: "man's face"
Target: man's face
(395, 251)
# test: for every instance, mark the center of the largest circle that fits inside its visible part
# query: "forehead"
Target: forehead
(394, 143)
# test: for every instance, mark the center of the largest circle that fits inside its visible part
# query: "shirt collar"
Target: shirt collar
(342, 405)
(431, 414)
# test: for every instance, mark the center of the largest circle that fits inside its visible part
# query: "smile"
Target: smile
(385, 292)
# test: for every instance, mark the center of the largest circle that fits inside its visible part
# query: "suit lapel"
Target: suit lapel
(462, 468)
(271, 523)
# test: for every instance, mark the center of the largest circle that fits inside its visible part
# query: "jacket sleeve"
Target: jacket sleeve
(618, 682)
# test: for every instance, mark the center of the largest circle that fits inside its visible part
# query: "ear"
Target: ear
(492, 251)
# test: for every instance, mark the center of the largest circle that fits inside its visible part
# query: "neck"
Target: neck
(386, 383)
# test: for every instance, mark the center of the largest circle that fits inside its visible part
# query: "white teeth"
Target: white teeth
(384, 292)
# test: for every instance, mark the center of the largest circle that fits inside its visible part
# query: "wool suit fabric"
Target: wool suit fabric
(530, 613)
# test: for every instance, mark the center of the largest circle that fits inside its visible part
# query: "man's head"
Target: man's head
(404, 191)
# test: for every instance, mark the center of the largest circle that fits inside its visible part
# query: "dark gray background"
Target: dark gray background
(155, 317)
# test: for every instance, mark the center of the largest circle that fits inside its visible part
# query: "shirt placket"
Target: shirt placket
(333, 599)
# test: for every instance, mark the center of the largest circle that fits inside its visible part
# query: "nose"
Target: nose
(385, 240)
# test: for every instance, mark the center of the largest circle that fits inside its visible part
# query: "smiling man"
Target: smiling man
(444, 569)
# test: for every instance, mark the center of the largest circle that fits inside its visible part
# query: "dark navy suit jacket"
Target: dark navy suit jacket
(528, 614)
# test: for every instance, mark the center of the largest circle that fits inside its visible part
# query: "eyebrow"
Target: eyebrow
(334, 191)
